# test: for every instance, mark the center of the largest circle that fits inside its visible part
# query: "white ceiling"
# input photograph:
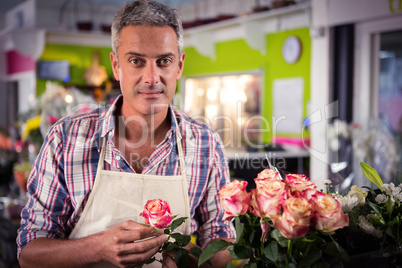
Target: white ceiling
(8, 4)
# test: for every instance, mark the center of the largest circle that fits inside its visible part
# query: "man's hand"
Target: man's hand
(126, 245)
(129, 244)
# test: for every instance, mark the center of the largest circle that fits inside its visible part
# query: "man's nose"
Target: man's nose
(151, 74)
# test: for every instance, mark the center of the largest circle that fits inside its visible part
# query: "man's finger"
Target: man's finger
(134, 231)
(144, 245)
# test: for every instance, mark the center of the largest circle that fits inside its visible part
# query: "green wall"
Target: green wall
(80, 58)
(237, 56)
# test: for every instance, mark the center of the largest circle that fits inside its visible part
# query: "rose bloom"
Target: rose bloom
(295, 220)
(329, 214)
(157, 213)
(300, 185)
(268, 174)
(359, 193)
(267, 197)
(265, 230)
(298, 209)
(234, 199)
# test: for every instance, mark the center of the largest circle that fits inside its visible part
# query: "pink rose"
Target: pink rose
(234, 199)
(295, 219)
(300, 185)
(52, 119)
(268, 174)
(267, 197)
(265, 231)
(157, 213)
(297, 177)
(329, 215)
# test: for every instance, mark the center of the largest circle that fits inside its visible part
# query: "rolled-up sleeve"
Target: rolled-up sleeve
(45, 212)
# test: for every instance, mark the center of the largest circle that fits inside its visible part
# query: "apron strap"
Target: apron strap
(179, 146)
(102, 155)
(183, 174)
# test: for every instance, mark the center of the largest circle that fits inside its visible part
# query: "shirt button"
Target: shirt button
(118, 158)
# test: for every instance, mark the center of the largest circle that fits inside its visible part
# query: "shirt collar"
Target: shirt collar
(109, 125)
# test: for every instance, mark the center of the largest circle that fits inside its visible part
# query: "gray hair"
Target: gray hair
(146, 13)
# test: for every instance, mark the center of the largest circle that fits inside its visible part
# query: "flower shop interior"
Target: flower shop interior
(308, 87)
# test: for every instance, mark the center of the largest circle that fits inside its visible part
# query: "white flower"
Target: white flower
(398, 198)
(381, 198)
(390, 189)
(348, 202)
(395, 189)
(368, 227)
(359, 193)
(387, 188)
(384, 187)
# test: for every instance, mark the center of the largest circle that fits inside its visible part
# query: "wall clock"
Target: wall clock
(291, 49)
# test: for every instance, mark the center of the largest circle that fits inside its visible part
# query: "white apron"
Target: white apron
(120, 196)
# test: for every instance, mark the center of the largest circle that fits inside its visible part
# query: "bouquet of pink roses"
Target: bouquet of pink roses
(280, 223)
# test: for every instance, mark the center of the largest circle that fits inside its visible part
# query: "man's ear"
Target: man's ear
(181, 65)
(115, 65)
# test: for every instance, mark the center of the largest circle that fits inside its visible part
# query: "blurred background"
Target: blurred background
(315, 86)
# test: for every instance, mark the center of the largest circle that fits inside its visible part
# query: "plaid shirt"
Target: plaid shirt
(63, 174)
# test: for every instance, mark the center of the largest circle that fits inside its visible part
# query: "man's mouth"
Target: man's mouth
(151, 94)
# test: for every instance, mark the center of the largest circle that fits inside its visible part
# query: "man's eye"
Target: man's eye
(165, 61)
(135, 61)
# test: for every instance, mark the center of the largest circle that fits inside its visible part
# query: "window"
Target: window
(230, 104)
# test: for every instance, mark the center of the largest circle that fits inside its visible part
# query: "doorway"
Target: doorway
(378, 96)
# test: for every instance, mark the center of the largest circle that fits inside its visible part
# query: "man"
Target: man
(95, 171)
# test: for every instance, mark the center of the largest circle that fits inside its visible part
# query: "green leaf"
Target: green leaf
(310, 259)
(239, 229)
(251, 237)
(282, 241)
(251, 265)
(390, 233)
(166, 231)
(271, 251)
(181, 240)
(333, 249)
(176, 223)
(181, 257)
(196, 252)
(377, 221)
(233, 254)
(371, 174)
(377, 209)
(370, 190)
(211, 249)
(393, 222)
(243, 251)
(169, 246)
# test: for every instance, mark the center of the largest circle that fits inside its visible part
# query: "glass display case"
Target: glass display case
(229, 104)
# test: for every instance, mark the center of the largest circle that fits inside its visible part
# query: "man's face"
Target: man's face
(148, 68)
